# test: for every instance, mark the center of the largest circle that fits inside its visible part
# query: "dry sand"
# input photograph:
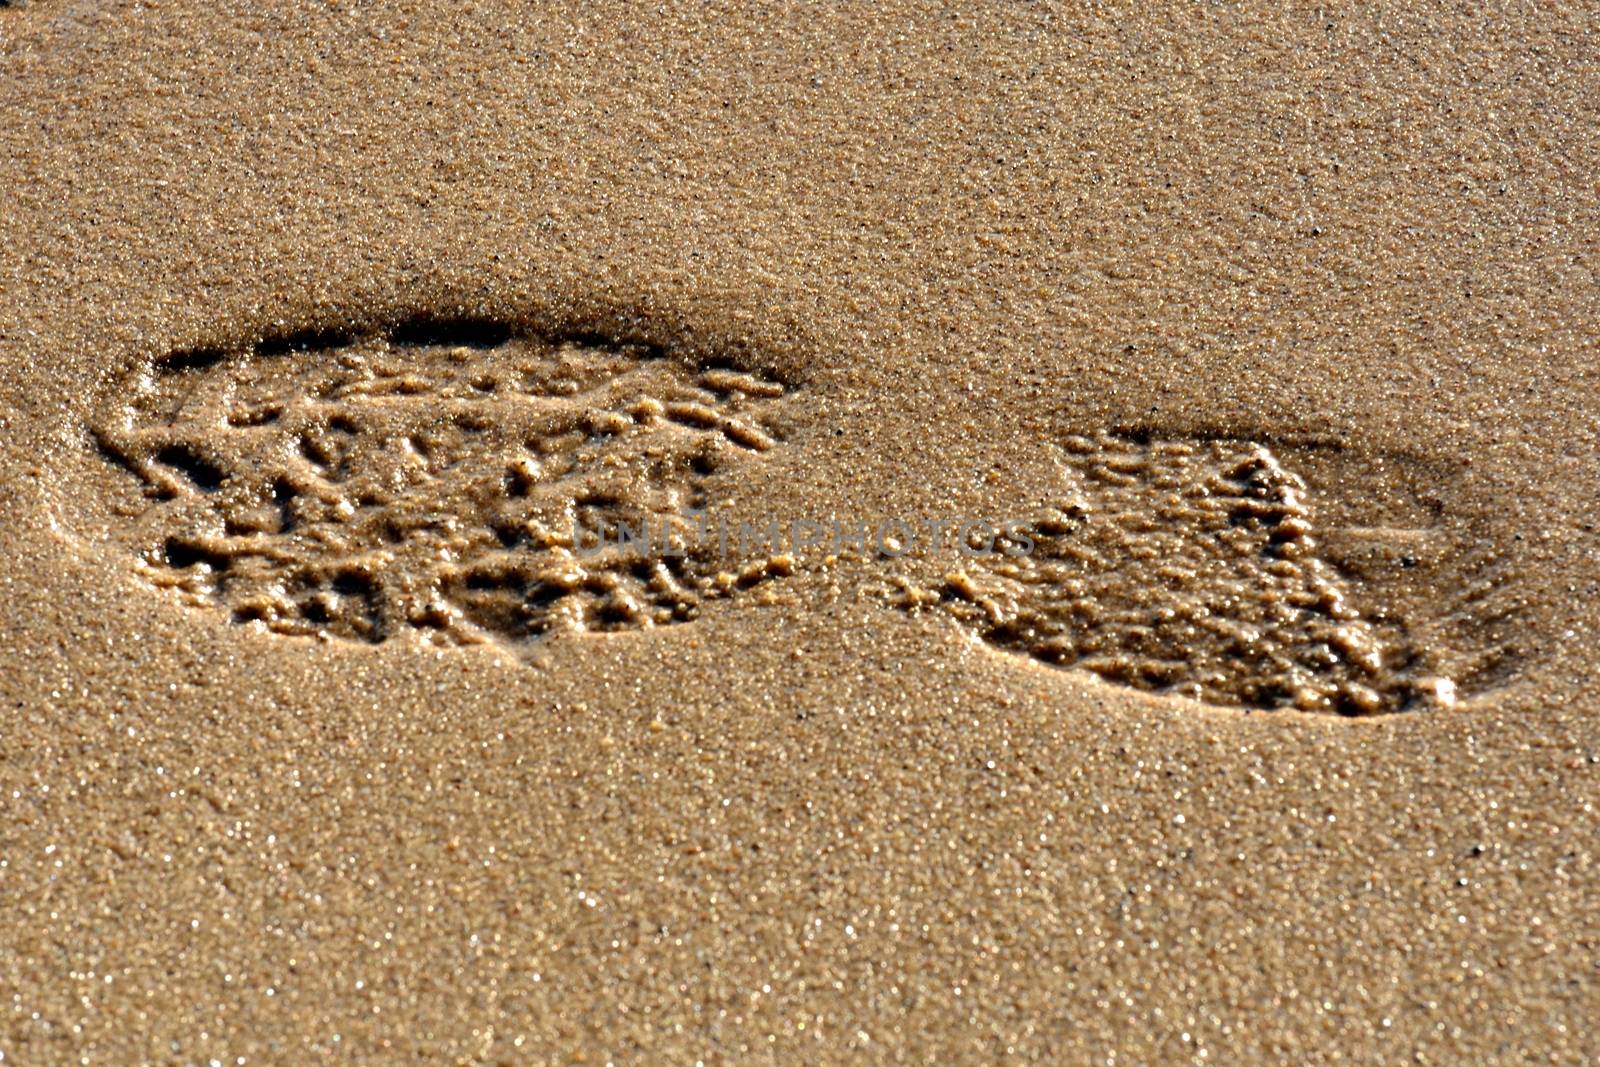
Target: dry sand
(1276, 335)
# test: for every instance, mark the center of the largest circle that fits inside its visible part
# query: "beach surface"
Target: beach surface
(726, 533)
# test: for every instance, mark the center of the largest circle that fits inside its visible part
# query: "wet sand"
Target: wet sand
(1258, 723)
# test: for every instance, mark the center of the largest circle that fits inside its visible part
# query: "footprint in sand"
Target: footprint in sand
(436, 478)
(1203, 566)
(432, 478)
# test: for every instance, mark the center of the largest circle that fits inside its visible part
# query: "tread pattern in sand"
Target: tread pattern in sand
(1197, 567)
(431, 478)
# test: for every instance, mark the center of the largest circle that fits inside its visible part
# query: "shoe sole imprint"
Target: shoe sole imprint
(1200, 565)
(431, 478)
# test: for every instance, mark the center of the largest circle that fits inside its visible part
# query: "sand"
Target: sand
(1259, 725)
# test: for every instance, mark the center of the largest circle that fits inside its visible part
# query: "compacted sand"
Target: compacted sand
(1215, 680)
